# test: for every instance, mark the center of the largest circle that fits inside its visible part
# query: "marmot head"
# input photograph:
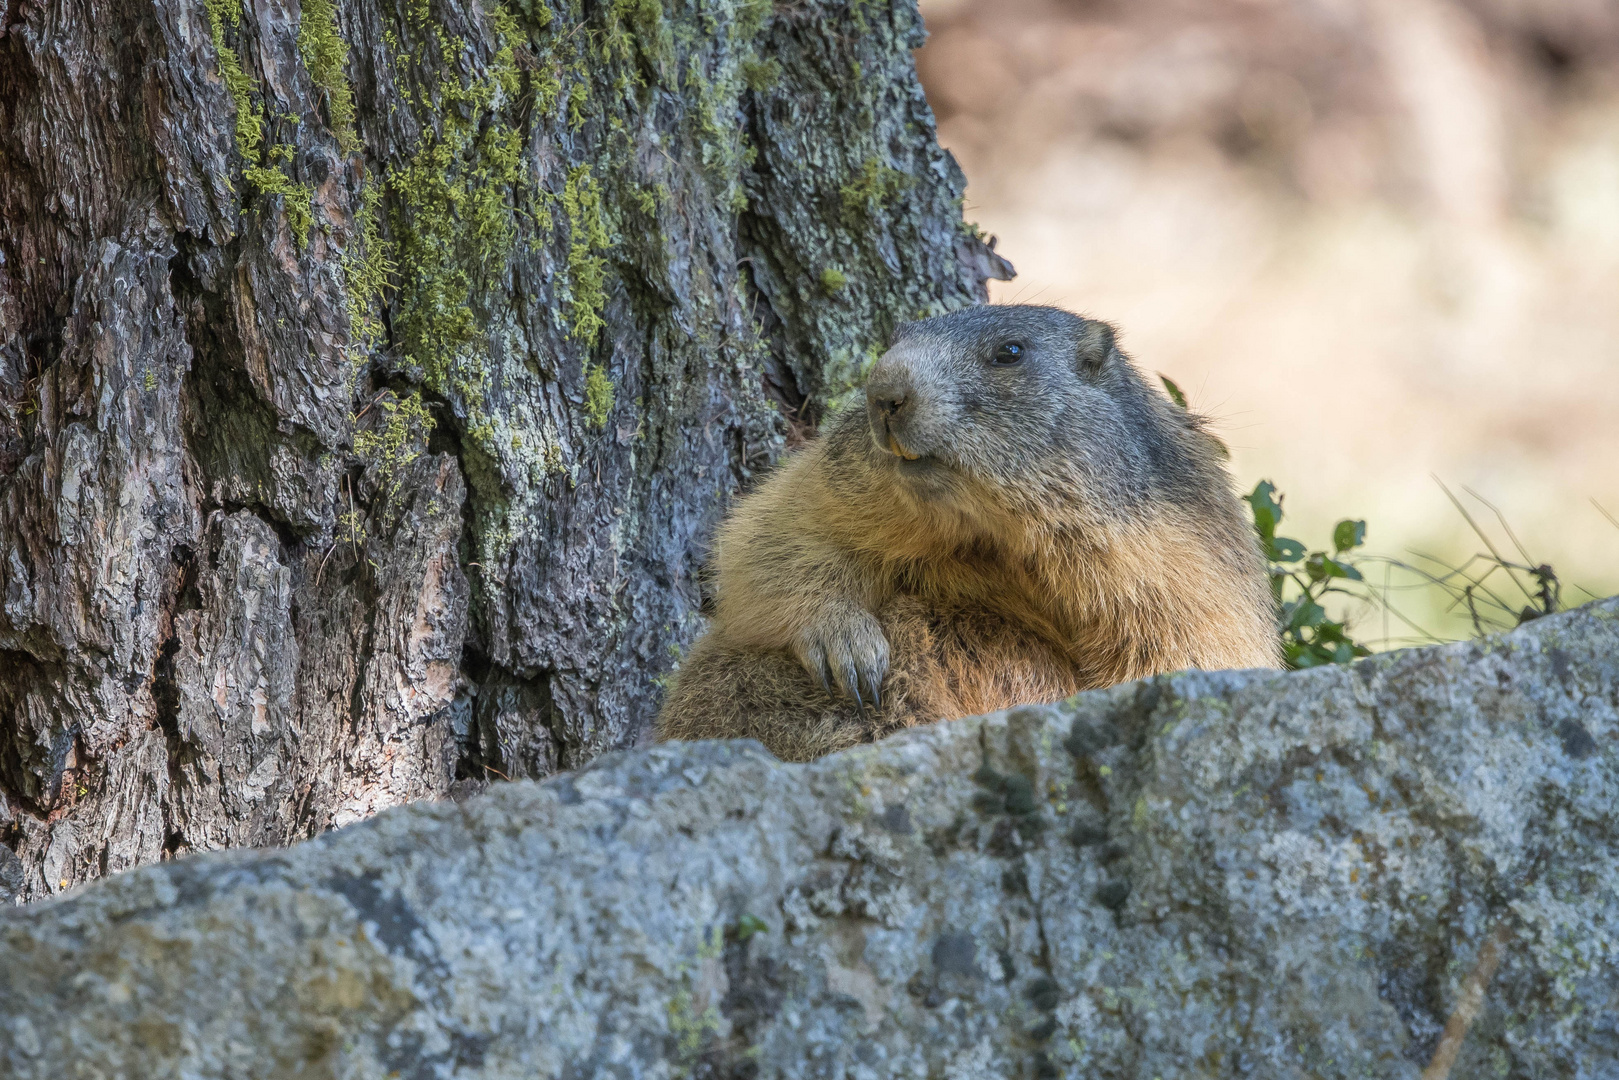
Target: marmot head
(1038, 406)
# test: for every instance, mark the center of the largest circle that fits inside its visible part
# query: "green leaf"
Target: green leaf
(1267, 509)
(748, 925)
(1305, 613)
(1320, 568)
(1348, 534)
(1330, 633)
(1175, 393)
(1281, 549)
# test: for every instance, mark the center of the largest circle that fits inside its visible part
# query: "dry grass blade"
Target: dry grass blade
(1459, 594)
(1501, 519)
(1496, 555)
(1468, 1005)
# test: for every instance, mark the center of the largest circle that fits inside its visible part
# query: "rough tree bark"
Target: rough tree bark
(372, 372)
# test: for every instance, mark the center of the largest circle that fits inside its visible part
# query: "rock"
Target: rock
(1230, 874)
(11, 876)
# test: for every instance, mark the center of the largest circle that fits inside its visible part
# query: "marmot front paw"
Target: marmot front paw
(849, 651)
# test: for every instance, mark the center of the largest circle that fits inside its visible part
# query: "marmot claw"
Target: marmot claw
(849, 652)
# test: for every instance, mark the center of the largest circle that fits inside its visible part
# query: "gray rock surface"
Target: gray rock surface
(1236, 874)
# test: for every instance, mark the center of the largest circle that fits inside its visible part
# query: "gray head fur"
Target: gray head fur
(1036, 404)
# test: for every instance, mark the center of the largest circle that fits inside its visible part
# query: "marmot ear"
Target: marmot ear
(1095, 346)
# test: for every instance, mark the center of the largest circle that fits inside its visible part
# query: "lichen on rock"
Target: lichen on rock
(1203, 874)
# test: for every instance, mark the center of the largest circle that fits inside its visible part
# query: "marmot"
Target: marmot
(1015, 515)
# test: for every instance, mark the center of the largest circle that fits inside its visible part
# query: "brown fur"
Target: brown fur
(946, 664)
(975, 590)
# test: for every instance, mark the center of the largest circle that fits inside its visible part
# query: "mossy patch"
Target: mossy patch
(368, 269)
(326, 54)
(588, 237)
(725, 150)
(397, 443)
(873, 186)
(267, 178)
(760, 75)
(598, 396)
(476, 200)
(249, 127)
(453, 219)
(751, 16)
(644, 23)
(270, 180)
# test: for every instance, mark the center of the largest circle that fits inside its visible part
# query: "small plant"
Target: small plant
(1172, 388)
(1178, 396)
(1491, 591)
(1301, 579)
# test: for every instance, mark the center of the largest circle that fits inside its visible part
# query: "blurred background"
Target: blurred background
(1376, 240)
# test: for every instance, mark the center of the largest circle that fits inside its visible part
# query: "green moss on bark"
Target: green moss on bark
(474, 193)
(453, 221)
(873, 186)
(249, 128)
(270, 180)
(368, 270)
(588, 237)
(761, 75)
(647, 27)
(598, 396)
(397, 442)
(326, 54)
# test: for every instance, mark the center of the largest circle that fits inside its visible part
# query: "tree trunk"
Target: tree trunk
(372, 375)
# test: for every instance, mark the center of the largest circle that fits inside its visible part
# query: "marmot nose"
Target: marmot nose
(888, 393)
(891, 405)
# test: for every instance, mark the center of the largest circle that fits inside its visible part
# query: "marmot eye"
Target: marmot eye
(1009, 354)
